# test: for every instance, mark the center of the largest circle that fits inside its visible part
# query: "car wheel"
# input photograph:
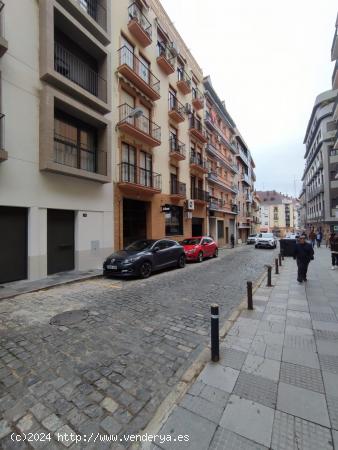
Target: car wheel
(256, 246)
(200, 257)
(181, 262)
(216, 253)
(145, 269)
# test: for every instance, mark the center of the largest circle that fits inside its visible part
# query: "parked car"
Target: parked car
(200, 247)
(252, 239)
(145, 256)
(266, 240)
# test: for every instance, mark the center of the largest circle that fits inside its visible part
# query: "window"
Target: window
(128, 168)
(127, 52)
(174, 221)
(144, 69)
(146, 178)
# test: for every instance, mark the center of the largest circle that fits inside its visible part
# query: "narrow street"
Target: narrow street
(109, 372)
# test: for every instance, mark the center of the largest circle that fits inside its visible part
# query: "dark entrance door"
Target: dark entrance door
(13, 244)
(60, 240)
(134, 220)
(197, 226)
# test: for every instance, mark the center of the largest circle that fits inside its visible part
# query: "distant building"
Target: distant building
(278, 213)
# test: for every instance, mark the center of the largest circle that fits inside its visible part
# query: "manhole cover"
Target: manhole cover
(69, 317)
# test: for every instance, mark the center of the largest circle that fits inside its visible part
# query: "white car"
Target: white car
(266, 240)
(252, 239)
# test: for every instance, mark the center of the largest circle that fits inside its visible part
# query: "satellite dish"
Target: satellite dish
(137, 112)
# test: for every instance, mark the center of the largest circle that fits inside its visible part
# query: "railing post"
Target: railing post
(269, 275)
(280, 259)
(249, 290)
(214, 332)
(276, 266)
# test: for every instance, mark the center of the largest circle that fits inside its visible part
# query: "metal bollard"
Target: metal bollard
(214, 332)
(269, 275)
(280, 260)
(276, 266)
(282, 253)
(249, 289)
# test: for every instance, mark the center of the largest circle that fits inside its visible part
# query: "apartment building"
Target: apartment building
(56, 194)
(256, 214)
(245, 187)
(160, 140)
(222, 167)
(278, 213)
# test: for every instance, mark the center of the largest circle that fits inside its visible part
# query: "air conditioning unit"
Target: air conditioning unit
(187, 108)
(190, 204)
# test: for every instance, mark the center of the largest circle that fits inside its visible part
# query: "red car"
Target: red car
(197, 248)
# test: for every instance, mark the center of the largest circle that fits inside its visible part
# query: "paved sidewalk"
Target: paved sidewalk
(276, 385)
(15, 288)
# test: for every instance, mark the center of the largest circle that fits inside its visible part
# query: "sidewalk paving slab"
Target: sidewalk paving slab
(276, 385)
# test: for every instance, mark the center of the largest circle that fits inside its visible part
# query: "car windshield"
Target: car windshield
(252, 235)
(139, 246)
(266, 235)
(194, 241)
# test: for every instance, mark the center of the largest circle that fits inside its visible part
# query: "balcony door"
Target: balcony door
(146, 169)
(172, 99)
(144, 69)
(173, 138)
(128, 167)
(144, 120)
(127, 53)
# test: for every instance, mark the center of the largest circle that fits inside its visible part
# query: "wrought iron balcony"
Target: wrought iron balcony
(96, 11)
(137, 178)
(139, 26)
(197, 129)
(199, 195)
(197, 98)
(176, 109)
(165, 59)
(177, 148)
(183, 81)
(80, 73)
(138, 73)
(70, 153)
(177, 189)
(198, 163)
(138, 126)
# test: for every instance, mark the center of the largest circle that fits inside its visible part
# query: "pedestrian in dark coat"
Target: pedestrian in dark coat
(334, 251)
(232, 240)
(303, 254)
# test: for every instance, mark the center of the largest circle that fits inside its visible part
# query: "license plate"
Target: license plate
(110, 267)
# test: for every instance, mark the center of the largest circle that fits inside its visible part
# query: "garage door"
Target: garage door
(60, 241)
(13, 244)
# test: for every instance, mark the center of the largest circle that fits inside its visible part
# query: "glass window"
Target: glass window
(174, 221)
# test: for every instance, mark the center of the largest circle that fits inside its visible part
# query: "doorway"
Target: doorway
(60, 240)
(134, 221)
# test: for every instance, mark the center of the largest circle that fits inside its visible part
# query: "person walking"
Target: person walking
(334, 251)
(319, 237)
(312, 237)
(303, 255)
(232, 240)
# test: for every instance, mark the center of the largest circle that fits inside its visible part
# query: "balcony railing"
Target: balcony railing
(175, 105)
(69, 153)
(198, 161)
(136, 14)
(176, 146)
(141, 122)
(197, 98)
(177, 188)
(199, 194)
(96, 11)
(129, 173)
(164, 51)
(2, 121)
(77, 71)
(197, 124)
(127, 57)
(183, 76)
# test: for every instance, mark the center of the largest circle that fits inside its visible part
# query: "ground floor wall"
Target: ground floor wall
(80, 243)
(154, 216)
(221, 227)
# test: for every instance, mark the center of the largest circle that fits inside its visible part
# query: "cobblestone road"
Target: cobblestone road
(110, 372)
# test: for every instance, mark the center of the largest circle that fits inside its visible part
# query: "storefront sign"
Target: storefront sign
(166, 208)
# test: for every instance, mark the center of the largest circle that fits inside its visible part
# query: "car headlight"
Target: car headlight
(189, 252)
(131, 260)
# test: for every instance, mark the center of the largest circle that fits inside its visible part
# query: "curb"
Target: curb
(190, 375)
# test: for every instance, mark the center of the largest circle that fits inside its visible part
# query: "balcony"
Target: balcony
(80, 73)
(139, 26)
(3, 153)
(199, 195)
(197, 130)
(165, 59)
(214, 178)
(133, 179)
(198, 163)
(176, 109)
(334, 48)
(177, 149)
(138, 126)
(69, 155)
(245, 178)
(138, 73)
(226, 161)
(3, 41)
(243, 156)
(197, 99)
(249, 198)
(177, 190)
(184, 81)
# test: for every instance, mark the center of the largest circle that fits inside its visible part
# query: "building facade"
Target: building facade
(222, 168)
(56, 194)
(278, 213)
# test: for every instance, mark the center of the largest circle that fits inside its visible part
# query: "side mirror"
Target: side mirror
(156, 249)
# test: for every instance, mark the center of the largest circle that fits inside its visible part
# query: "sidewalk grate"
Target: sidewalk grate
(257, 389)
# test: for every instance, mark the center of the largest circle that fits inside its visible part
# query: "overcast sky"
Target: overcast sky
(268, 59)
